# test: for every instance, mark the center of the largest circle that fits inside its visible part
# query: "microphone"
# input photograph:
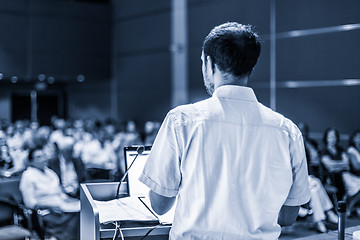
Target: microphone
(341, 225)
(139, 151)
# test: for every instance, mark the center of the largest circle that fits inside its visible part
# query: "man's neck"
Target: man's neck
(222, 79)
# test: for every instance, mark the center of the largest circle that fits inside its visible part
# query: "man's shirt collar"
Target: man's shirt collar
(235, 92)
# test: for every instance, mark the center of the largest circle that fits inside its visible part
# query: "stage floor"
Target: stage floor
(304, 228)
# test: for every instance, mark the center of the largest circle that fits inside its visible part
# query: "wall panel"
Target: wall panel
(307, 14)
(60, 39)
(142, 59)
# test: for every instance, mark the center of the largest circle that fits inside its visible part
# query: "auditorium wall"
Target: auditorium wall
(324, 55)
(123, 50)
(60, 39)
(329, 54)
(141, 59)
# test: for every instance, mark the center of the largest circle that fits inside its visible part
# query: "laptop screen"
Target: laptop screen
(135, 187)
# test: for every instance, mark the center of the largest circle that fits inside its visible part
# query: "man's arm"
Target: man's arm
(161, 204)
(287, 215)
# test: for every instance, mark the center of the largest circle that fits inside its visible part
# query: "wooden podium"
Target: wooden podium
(90, 227)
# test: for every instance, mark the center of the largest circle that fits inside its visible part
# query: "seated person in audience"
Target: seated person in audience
(352, 179)
(59, 125)
(336, 163)
(70, 170)
(151, 129)
(99, 156)
(16, 146)
(129, 135)
(15, 136)
(10, 166)
(353, 152)
(41, 189)
(320, 203)
(6, 162)
(312, 150)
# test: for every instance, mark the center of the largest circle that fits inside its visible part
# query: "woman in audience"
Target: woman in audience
(336, 163)
(353, 152)
(320, 203)
(41, 189)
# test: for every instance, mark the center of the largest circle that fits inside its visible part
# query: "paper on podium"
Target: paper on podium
(124, 209)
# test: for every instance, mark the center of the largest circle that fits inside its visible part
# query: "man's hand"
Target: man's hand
(161, 204)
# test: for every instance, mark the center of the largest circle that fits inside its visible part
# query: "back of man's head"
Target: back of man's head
(234, 48)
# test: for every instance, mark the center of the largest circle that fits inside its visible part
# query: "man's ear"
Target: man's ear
(210, 65)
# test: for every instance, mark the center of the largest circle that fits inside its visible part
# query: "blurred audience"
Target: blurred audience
(352, 178)
(127, 136)
(6, 161)
(71, 170)
(41, 189)
(72, 151)
(353, 152)
(99, 156)
(320, 204)
(312, 150)
(151, 129)
(336, 163)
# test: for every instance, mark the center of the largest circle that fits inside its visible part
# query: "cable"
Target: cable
(139, 151)
(117, 231)
(116, 234)
(150, 231)
(121, 234)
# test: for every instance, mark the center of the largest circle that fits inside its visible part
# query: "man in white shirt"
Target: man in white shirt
(40, 188)
(237, 168)
(70, 169)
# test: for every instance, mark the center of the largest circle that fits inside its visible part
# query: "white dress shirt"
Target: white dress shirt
(42, 188)
(232, 163)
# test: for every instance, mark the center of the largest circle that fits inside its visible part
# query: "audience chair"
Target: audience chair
(15, 215)
(15, 220)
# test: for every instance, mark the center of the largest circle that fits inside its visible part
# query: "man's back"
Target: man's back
(236, 170)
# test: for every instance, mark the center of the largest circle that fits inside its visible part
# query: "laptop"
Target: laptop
(134, 186)
(137, 188)
(136, 206)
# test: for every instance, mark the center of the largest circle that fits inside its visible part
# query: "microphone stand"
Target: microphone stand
(139, 151)
(341, 226)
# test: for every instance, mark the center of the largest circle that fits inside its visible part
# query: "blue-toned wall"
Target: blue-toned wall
(123, 50)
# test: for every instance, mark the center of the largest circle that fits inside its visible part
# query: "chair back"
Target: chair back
(10, 199)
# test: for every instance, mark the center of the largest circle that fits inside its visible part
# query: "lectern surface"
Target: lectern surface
(90, 227)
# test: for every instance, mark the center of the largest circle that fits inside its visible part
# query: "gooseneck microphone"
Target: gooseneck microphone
(139, 151)
(341, 225)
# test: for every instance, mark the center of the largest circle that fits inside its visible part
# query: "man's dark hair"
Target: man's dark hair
(233, 47)
(32, 151)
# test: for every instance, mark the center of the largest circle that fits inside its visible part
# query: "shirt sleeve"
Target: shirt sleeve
(300, 192)
(162, 169)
